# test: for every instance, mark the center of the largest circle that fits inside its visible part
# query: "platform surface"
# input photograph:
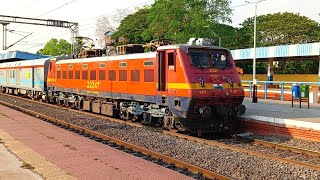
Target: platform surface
(281, 112)
(59, 154)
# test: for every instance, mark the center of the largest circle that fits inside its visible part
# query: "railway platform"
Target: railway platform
(279, 117)
(55, 153)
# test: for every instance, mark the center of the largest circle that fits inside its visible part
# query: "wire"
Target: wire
(56, 8)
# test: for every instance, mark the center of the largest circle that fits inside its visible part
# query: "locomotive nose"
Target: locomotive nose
(206, 112)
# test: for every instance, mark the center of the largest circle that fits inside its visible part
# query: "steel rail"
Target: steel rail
(211, 142)
(204, 172)
(250, 152)
(281, 146)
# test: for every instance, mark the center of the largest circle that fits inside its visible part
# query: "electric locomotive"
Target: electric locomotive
(191, 87)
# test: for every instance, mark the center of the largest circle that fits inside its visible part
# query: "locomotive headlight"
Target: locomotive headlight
(206, 112)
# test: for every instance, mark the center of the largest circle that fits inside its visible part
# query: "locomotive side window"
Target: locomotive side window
(84, 66)
(70, 66)
(135, 75)
(171, 60)
(93, 75)
(148, 63)
(123, 64)
(58, 74)
(112, 75)
(84, 75)
(77, 74)
(148, 75)
(122, 75)
(102, 75)
(64, 74)
(70, 74)
(102, 65)
(58, 67)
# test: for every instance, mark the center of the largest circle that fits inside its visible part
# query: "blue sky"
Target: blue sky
(86, 13)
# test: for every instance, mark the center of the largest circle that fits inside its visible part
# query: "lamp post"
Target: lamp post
(254, 78)
(214, 34)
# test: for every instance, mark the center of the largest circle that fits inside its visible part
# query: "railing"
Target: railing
(281, 84)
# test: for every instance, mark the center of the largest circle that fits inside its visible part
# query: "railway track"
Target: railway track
(280, 157)
(101, 137)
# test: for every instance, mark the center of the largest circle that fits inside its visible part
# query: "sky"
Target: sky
(86, 14)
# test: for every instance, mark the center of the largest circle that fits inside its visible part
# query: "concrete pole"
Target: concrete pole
(319, 74)
(270, 69)
(254, 77)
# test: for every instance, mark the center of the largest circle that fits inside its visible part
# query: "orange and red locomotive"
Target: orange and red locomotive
(192, 87)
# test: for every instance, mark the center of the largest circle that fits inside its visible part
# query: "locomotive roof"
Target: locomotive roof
(34, 62)
(110, 58)
(184, 47)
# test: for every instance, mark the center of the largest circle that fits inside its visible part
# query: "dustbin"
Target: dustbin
(295, 90)
(304, 91)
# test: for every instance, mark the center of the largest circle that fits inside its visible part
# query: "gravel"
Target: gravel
(224, 161)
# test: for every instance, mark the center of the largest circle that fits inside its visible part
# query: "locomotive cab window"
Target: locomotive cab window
(220, 60)
(206, 59)
(199, 59)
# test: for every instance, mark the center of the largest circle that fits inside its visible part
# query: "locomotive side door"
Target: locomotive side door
(162, 71)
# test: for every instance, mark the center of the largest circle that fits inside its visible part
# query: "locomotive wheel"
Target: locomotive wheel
(146, 118)
(169, 123)
(133, 117)
(124, 115)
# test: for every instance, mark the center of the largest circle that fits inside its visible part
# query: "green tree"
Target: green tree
(181, 19)
(132, 26)
(56, 48)
(281, 29)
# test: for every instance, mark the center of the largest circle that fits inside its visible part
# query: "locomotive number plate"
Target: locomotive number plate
(93, 85)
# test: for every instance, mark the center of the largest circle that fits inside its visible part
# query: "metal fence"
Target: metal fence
(281, 85)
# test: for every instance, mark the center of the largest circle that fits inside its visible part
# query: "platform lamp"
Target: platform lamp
(214, 34)
(254, 78)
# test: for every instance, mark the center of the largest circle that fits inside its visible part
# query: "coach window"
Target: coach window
(122, 75)
(171, 61)
(58, 67)
(135, 75)
(59, 74)
(148, 75)
(93, 75)
(64, 74)
(77, 74)
(70, 74)
(84, 66)
(84, 75)
(70, 66)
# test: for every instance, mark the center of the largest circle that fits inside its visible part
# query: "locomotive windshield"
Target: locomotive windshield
(209, 59)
